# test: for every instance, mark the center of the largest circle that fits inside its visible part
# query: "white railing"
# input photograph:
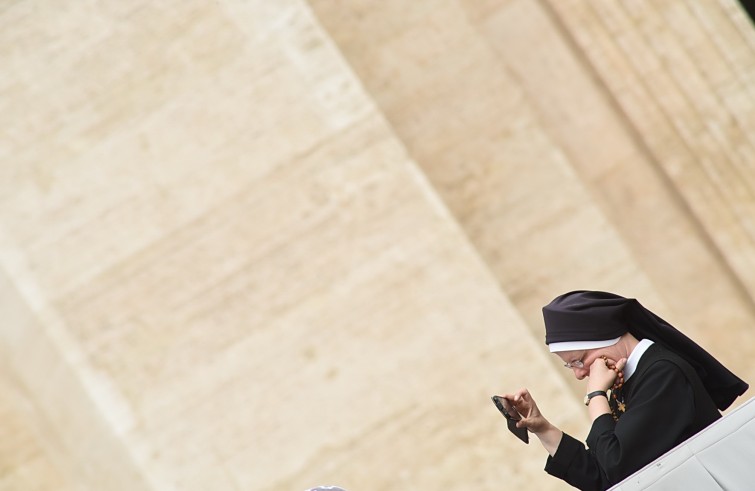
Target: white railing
(722, 456)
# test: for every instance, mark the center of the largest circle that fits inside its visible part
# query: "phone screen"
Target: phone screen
(512, 416)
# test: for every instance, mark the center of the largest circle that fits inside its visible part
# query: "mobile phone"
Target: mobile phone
(512, 416)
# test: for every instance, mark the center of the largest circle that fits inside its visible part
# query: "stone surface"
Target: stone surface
(274, 245)
(520, 117)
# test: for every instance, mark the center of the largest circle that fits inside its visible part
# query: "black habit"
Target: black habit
(666, 403)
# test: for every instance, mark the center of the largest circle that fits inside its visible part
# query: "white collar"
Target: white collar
(634, 357)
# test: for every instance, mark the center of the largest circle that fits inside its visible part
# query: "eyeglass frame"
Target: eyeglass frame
(574, 364)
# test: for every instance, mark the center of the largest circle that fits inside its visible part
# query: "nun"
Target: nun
(649, 387)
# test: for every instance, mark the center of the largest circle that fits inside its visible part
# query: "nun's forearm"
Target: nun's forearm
(550, 438)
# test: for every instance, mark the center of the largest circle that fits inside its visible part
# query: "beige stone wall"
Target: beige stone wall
(268, 245)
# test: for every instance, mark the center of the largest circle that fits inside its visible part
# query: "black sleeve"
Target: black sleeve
(657, 418)
(576, 465)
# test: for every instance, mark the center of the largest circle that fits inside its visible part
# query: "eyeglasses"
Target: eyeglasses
(575, 364)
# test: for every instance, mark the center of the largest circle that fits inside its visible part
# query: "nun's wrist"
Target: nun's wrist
(595, 387)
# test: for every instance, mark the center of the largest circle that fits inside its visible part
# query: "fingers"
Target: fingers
(521, 395)
(518, 396)
(521, 403)
(598, 372)
(609, 363)
(598, 365)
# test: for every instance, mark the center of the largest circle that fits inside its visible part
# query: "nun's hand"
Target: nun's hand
(532, 419)
(601, 377)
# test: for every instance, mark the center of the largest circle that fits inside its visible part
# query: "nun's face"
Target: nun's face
(576, 361)
(580, 361)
